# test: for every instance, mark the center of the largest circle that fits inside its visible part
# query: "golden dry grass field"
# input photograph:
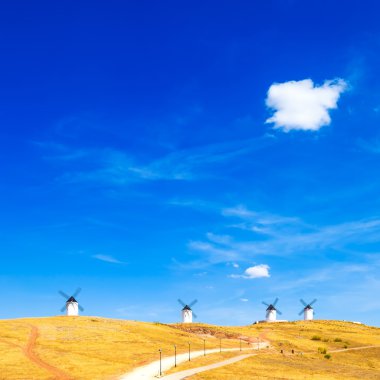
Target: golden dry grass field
(311, 342)
(91, 348)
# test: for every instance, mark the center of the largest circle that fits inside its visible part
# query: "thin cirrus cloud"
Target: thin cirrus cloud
(118, 167)
(302, 105)
(277, 235)
(256, 271)
(107, 259)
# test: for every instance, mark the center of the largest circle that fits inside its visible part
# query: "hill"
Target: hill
(98, 348)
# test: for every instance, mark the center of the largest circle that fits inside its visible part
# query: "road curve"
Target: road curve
(151, 371)
(189, 372)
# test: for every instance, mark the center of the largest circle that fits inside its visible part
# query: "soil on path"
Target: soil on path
(29, 352)
(354, 348)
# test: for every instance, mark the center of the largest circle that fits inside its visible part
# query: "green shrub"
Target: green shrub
(315, 337)
(327, 356)
(337, 340)
(322, 350)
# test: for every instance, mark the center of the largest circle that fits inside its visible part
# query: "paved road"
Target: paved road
(151, 371)
(189, 372)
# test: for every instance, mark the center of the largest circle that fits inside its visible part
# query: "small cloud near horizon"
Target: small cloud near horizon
(257, 271)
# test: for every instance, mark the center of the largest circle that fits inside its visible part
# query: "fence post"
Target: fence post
(160, 362)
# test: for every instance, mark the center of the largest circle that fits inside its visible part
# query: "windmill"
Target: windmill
(71, 305)
(187, 313)
(271, 311)
(308, 311)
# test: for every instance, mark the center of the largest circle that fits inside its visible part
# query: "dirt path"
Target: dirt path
(31, 355)
(354, 348)
(28, 351)
(189, 372)
(151, 371)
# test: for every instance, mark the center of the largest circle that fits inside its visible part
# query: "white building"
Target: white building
(271, 314)
(72, 306)
(308, 313)
(187, 315)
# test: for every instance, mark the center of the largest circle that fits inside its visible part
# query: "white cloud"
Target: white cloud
(244, 299)
(301, 105)
(107, 258)
(257, 271)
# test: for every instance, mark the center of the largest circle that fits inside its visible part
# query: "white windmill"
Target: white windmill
(187, 313)
(71, 305)
(271, 311)
(308, 311)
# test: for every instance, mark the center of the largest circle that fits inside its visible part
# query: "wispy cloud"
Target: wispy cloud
(278, 235)
(372, 146)
(335, 274)
(301, 105)
(112, 166)
(107, 259)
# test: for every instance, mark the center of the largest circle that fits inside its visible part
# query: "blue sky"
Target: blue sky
(224, 151)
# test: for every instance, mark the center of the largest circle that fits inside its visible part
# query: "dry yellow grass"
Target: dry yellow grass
(91, 348)
(306, 362)
(88, 347)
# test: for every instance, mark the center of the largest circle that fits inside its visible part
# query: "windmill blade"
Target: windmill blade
(301, 312)
(303, 302)
(312, 302)
(77, 292)
(80, 308)
(275, 301)
(193, 303)
(278, 312)
(194, 315)
(181, 302)
(63, 294)
(63, 309)
(264, 303)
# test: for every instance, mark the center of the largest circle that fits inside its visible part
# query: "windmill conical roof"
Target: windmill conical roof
(187, 307)
(72, 299)
(271, 307)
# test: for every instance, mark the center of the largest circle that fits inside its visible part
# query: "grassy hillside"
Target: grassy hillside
(97, 348)
(88, 347)
(322, 350)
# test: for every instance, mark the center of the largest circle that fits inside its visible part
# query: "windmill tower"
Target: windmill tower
(271, 311)
(71, 306)
(187, 313)
(308, 311)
